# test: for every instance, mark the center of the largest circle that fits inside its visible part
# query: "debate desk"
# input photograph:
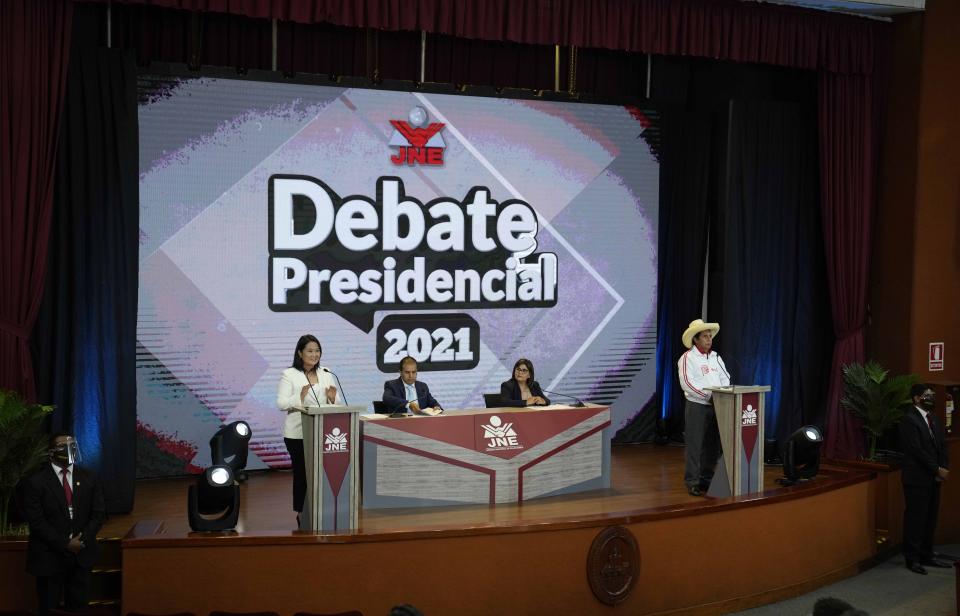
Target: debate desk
(470, 456)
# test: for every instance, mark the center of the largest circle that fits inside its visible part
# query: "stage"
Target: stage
(646, 479)
(696, 555)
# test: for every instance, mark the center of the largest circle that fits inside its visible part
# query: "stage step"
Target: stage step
(105, 578)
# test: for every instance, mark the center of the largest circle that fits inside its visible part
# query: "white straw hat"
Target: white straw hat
(695, 328)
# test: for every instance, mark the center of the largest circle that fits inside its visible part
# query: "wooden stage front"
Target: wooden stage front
(696, 555)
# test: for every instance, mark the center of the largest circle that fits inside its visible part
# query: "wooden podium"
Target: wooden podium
(739, 410)
(331, 438)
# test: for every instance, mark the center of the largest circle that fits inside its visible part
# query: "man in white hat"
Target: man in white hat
(698, 369)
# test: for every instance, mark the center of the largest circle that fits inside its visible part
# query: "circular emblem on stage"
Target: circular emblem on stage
(613, 565)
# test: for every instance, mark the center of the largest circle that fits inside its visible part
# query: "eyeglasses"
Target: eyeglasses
(522, 369)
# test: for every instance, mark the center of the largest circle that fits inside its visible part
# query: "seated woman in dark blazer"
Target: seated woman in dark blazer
(522, 390)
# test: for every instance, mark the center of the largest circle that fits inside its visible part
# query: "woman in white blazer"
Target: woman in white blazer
(305, 383)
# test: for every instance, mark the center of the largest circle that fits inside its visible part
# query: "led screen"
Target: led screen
(465, 231)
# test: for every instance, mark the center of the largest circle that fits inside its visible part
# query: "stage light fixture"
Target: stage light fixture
(213, 502)
(801, 455)
(229, 446)
(219, 476)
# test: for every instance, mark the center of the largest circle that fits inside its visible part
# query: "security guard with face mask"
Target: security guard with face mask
(925, 464)
(63, 504)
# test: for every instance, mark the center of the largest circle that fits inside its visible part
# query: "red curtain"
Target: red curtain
(847, 195)
(34, 51)
(722, 29)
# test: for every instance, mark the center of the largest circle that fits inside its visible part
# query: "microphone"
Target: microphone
(312, 390)
(338, 384)
(578, 401)
(736, 365)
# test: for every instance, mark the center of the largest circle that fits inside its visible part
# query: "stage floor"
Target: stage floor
(644, 479)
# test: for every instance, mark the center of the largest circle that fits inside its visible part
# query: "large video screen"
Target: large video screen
(465, 231)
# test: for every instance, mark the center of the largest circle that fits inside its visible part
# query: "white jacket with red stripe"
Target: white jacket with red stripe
(698, 371)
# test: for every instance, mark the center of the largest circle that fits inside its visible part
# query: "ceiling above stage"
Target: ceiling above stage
(865, 8)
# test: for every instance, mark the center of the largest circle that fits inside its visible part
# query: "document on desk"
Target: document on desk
(551, 407)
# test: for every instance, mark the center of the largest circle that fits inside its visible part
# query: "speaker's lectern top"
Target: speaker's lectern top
(739, 389)
(329, 409)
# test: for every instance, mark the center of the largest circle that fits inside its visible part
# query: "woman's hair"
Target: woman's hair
(301, 345)
(522, 362)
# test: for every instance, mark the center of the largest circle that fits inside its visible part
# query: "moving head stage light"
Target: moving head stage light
(229, 447)
(801, 455)
(213, 503)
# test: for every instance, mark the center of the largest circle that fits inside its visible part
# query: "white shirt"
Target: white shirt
(292, 381)
(923, 414)
(698, 371)
(411, 391)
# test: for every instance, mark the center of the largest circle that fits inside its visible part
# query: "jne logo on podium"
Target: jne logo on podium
(749, 416)
(335, 441)
(499, 435)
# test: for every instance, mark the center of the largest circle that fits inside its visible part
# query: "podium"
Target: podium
(740, 410)
(484, 456)
(330, 446)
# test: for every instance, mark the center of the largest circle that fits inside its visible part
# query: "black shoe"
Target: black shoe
(694, 491)
(939, 564)
(916, 567)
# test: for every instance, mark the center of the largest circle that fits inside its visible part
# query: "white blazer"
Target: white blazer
(288, 397)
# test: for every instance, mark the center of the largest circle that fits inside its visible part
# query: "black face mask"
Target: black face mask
(927, 402)
(65, 454)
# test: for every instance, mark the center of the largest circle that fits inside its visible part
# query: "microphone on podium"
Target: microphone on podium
(577, 401)
(312, 390)
(736, 365)
(338, 384)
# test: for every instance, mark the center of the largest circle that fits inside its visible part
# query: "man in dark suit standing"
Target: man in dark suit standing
(63, 504)
(407, 393)
(924, 469)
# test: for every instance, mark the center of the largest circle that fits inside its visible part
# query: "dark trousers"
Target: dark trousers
(71, 585)
(295, 449)
(702, 438)
(920, 520)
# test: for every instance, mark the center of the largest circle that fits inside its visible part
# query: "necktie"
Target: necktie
(929, 424)
(67, 492)
(411, 393)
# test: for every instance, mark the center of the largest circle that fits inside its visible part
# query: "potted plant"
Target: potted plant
(876, 398)
(23, 445)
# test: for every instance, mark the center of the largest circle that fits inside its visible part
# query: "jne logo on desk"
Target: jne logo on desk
(335, 441)
(500, 436)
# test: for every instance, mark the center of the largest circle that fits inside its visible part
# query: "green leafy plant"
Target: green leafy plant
(876, 398)
(23, 445)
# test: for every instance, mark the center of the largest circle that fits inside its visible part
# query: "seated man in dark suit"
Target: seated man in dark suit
(63, 504)
(407, 393)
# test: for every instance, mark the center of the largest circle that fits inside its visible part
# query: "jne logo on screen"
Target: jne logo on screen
(417, 142)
